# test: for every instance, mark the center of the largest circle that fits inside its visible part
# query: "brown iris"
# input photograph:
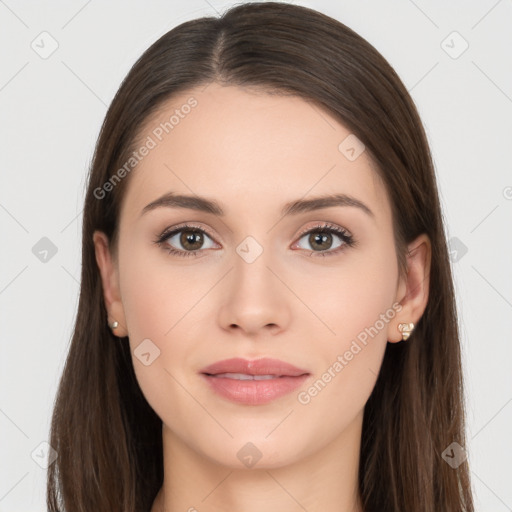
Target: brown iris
(318, 238)
(191, 240)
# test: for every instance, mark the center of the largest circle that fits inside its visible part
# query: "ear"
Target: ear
(413, 289)
(110, 283)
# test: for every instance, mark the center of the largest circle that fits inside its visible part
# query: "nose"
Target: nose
(253, 298)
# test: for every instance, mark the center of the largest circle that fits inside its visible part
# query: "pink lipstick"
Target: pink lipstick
(253, 382)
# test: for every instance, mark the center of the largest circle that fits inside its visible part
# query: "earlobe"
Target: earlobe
(413, 290)
(110, 284)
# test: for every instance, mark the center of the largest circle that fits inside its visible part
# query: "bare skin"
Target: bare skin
(253, 153)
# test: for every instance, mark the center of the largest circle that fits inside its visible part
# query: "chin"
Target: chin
(257, 450)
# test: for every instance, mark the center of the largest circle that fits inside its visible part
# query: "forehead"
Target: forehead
(234, 144)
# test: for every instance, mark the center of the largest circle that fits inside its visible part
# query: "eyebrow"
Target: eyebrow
(202, 204)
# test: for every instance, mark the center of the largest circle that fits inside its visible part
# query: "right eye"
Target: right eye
(190, 238)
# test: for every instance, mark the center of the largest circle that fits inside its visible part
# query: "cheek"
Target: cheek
(156, 294)
(158, 301)
(358, 307)
(352, 297)
(164, 301)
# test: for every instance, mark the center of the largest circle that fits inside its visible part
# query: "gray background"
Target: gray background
(51, 110)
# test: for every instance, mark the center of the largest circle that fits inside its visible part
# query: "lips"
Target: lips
(253, 382)
(264, 366)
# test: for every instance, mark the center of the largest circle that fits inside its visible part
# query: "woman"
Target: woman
(267, 314)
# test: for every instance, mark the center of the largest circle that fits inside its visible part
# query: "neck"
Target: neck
(326, 480)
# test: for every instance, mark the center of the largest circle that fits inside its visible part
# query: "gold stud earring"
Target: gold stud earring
(114, 325)
(406, 330)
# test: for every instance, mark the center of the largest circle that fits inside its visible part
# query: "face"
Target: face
(315, 286)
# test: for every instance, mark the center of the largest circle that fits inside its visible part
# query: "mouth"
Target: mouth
(253, 382)
(244, 376)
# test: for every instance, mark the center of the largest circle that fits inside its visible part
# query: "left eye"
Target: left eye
(321, 240)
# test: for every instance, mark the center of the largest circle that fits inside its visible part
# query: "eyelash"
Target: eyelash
(347, 239)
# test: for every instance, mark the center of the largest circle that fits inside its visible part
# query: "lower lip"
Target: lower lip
(254, 392)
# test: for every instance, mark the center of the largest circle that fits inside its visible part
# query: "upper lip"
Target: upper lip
(263, 366)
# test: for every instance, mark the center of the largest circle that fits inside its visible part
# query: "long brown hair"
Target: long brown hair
(107, 437)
